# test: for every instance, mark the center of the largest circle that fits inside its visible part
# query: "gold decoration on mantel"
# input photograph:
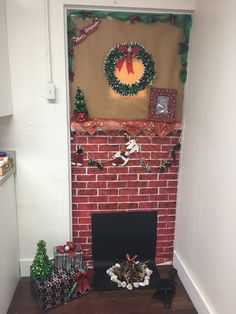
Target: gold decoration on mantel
(133, 127)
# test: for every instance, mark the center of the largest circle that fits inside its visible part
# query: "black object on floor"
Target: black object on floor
(166, 289)
(116, 234)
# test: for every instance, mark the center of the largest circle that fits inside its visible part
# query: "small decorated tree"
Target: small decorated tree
(42, 267)
(81, 111)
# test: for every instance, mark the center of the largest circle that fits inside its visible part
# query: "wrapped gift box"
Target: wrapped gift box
(53, 292)
(69, 259)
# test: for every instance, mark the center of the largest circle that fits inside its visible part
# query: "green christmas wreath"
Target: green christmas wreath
(124, 53)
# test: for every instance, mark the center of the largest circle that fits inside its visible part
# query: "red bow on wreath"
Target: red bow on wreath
(129, 54)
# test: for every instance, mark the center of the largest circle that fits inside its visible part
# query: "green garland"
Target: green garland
(183, 21)
(110, 65)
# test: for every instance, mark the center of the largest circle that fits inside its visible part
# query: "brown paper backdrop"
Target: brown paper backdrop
(161, 39)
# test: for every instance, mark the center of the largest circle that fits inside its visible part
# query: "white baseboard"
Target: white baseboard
(191, 287)
(25, 267)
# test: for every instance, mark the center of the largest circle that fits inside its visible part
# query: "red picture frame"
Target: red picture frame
(162, 104)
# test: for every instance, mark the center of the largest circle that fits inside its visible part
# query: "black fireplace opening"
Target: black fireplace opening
(116, 234)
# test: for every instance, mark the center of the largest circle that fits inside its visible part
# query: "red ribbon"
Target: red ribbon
(73, 249)
(83, 280)
(129, 54)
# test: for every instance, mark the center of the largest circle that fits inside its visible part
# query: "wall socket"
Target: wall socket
(51, 91)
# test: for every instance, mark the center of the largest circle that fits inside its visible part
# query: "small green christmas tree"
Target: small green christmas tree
(80, 105)
(42, 267)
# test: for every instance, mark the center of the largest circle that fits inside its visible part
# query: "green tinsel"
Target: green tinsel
(125, 89)
(42, 267)
(183, 21)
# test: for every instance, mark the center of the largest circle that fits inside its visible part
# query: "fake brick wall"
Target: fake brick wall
(127, 188)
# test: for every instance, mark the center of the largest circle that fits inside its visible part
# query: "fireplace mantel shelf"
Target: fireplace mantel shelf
(133, 127)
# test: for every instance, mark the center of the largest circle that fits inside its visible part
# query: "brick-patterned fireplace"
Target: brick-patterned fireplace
(127, 188)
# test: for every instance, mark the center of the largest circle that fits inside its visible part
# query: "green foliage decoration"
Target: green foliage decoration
(42, 267)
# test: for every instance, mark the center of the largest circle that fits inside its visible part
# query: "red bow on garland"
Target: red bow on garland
(69, 248)
(129, 54)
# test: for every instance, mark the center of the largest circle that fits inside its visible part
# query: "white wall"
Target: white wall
(9, 256)
(39, 129)
(5, 86)
(206, 212)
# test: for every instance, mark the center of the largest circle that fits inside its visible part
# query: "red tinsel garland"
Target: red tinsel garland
(133, 127)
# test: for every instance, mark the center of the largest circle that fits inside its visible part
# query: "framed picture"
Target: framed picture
(162, 104)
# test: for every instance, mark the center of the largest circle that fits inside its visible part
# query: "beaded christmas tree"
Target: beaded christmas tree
(80, 112)
(80, 105)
